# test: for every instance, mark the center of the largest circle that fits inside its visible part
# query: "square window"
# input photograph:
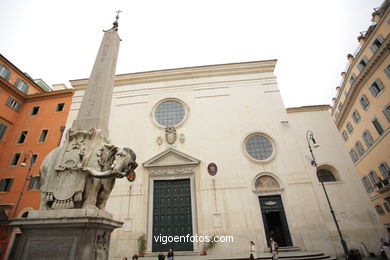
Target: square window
(5, 184)
(35, 183)
(356, 116)
(4, 72)
(364, 102)
(376, 88)
(3, 129)
(352, 79)
(353, 155)
(367, 184)
(349, 127)
(368, 138)
(22, 86)
(42, 137)
(15, 159)
(384, 168)
(359, 148)
(60, 107)
(345, 135)
(362, 64)
(12, 103)
(34, 111)
(22, 137)
(386, 112)
(378, 126)
(376, 44)
(33, 159)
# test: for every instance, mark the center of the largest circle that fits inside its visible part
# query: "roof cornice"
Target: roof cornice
(188, 72)
(370, 68)
(308, 108)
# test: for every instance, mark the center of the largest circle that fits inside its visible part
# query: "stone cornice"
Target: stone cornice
(187, 73)
(308, 108)
(360, 81)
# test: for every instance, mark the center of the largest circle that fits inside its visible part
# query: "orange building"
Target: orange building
(32, 120)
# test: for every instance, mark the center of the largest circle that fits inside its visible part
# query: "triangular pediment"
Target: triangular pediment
(170, 157)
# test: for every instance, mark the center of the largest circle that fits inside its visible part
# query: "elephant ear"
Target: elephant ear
(106, 155)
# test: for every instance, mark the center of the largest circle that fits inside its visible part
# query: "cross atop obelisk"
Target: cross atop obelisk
(96, 104)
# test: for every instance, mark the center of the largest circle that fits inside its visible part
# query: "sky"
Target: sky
(57, 41)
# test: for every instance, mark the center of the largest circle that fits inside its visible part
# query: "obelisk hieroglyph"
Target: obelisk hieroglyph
(96, 105)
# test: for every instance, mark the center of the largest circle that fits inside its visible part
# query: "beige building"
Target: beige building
(219, 155)
(361, 110)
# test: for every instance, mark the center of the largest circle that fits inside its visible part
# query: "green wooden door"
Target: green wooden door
(172, 215)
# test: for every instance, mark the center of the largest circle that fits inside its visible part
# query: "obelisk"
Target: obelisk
(96, 105)
(72, 222)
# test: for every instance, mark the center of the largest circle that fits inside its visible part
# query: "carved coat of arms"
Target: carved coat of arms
(170, 134)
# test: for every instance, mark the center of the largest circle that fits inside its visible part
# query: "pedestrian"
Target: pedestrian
(135, 257)
(170, 254)
(274, 248)
(124, 258)
(252, 250)
(161, 256)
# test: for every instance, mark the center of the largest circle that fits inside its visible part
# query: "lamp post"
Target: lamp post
(23, 164)
(310, 137)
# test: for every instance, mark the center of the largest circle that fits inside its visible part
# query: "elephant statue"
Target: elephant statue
(82, 172)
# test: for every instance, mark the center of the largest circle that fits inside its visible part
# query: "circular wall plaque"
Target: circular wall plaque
(212, 169)
(131, 177)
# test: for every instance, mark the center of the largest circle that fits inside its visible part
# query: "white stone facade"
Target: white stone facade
(224, 105)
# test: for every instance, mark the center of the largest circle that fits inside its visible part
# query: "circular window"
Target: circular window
(259, 147)
(169, 113)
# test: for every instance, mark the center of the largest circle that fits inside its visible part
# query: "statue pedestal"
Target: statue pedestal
(69, 234)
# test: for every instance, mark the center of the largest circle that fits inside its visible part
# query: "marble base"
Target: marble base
(78, 234)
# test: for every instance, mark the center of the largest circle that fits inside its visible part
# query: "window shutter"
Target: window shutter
(372, 90)
(380, 39)
(373, 48)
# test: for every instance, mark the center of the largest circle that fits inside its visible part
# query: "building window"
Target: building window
(356, 116)
(376, 44)
(340, 106)
(43, 136)
(5, 184)
(387, 70)
(15, 159)
(22, 86)
(33, 159)
(169, 113)
(349, 127)
(34, 111)
(378, 126)
(362, 64)
(345, 135)
(368, 138)
(364, 102)
(352, 78)
(353, 155)
(259, 147)
(359, 148)
(374, 178)
(386, 207)
(384, 168)
(22, 137)
(376, 88)
(4, 72)
(12, 103)
(60, 107)
(325, 176)
(379, 209)
(386, 112)
(3, 129)
(35, 183)
(367, 184)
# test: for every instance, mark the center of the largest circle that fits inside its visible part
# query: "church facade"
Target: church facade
(219, 154)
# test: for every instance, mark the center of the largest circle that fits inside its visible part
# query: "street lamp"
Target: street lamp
(23, 164)
(310, 137)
